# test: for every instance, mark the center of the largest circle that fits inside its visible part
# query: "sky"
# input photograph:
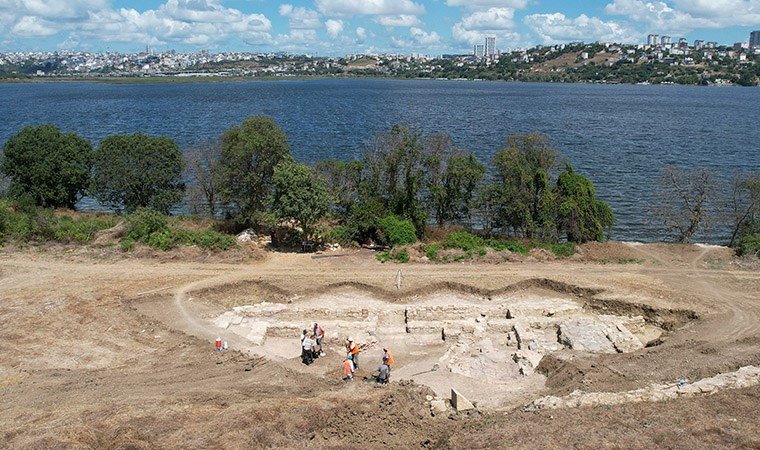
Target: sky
(338, 27)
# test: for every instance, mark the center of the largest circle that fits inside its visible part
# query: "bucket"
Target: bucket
(224, 345)
(218, 343)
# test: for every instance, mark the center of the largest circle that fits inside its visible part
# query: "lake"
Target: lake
(620, 136)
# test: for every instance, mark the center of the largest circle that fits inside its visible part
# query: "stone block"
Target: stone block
(586, 336)
(438, 407)
(460, 402)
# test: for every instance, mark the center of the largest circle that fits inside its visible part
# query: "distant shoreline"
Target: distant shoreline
(221, 79)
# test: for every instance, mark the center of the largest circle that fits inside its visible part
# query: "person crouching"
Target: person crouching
(348, 369)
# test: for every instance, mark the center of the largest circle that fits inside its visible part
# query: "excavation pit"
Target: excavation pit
(487, 347)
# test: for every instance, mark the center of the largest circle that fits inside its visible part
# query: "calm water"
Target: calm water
(620, 136)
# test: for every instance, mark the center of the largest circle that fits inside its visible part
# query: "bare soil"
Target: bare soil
(101, 351)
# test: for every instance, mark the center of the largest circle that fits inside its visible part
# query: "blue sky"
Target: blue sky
(335, 27)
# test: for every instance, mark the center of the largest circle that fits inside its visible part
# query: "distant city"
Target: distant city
(717, 63)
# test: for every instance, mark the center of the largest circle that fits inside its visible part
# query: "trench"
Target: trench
(486, 344)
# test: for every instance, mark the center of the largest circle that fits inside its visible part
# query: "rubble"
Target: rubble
(744, 377)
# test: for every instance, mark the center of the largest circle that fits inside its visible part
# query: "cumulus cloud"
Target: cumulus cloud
(486, 4)
(497, 22)
(300, 18)
(557, 27)
(424, 38)
(334, 27)
(686, 16)
(369, 7)
(398, 20)
(190, 22)
(361, 34)
(31, 26)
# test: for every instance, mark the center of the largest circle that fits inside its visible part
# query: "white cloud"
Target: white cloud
(552, 28)
(334, 27)
(497, 22)
(190, 22)
(361, 34)
(424, 38)
(486, 4)
(398, 20)
(300, 18)
(659, 16)
(369, 7)
(31, 26)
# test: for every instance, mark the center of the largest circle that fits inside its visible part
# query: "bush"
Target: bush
(512, 245)
(397, 231)
(145, 222)
(562, 250)
(400, 256)
(152, 229)
(431, 251)
(339, 234)
(463, 240)
(24, 222)
(749, 245)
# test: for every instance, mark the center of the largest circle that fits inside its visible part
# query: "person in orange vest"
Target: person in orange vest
(388, 357)
(352, 350)
(348, 369)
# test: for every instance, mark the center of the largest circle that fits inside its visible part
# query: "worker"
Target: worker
(384, 373)
(388, 357)
(319, 334)
(348, 369)
(353, 350)
(306, 347)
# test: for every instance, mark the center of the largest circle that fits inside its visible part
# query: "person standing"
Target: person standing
(352, 350)
(306, 346)
(319, 335)
(348, 369)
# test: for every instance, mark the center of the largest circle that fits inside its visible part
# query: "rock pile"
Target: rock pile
(744, 377)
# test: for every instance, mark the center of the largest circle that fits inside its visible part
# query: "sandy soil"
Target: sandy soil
(98, 351)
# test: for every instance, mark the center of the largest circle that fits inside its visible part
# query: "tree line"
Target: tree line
(404, 181)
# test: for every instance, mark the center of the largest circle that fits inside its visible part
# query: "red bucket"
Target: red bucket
(218, 343)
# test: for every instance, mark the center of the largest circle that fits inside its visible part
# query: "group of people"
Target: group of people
(351, 363)
(311, 349)
(311, 344)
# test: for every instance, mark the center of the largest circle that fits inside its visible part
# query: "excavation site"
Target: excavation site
(486, 346)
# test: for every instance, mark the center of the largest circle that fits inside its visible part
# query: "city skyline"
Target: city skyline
(333, 27)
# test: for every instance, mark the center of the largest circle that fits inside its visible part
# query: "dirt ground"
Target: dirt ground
(102, 351)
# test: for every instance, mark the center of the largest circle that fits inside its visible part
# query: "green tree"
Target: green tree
(453, 177)
(299, 195)
(342, 180)
(394, 173)
(132, 171)
(522, 170)
(249, 154)
(581, 216)
(50, 167)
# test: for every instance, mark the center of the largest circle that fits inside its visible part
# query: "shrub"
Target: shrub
(512, 245)
(463, 240)
(431, 251)
(145, 222)
(397, 231)
(400, 256)
(749, 245)
(562, 250)
(339, 234)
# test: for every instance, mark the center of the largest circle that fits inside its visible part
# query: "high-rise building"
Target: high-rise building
(490, 46)
(754, 39)
(698, 45)
(665, 40)
(652, 39)
(479, 50)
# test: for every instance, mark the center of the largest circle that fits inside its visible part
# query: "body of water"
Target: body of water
(620, 136)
